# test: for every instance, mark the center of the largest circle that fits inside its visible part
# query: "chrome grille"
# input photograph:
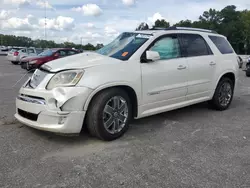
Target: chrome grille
(37, 78)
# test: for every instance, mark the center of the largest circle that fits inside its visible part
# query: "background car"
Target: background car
(12, 55)
(240, 62)
(46, 56)
(32, 52)
(248, 68)
(25, 52)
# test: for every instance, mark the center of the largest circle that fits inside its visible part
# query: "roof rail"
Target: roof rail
(184, 28)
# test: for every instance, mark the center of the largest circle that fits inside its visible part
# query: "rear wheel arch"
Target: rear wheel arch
(229, 75)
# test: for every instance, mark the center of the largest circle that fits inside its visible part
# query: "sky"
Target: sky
(96, 21)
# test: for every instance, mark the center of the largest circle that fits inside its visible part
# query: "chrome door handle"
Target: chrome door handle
(181, 67)
(212, 63)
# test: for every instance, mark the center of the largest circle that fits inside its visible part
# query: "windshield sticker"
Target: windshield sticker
(124, 54)
(143, 36)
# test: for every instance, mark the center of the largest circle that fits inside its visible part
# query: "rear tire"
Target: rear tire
(247, 74)
(109, 114)
(223, 95)
(14, 62)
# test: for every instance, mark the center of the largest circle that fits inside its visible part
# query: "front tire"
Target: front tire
(223, 94)
(109, 114)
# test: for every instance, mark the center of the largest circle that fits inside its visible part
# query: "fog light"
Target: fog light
(61, 120)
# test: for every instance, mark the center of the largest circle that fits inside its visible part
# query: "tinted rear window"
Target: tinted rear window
(222, 44)
(194, 45)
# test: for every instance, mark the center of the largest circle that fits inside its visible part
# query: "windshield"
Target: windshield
(46, 53)
(124, 46)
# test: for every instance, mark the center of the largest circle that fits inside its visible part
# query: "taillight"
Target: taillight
(16, 53)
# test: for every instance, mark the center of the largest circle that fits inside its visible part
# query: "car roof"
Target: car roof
(55, 49)
(162, 31)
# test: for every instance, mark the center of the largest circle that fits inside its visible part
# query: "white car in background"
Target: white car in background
(16, 56)
(11, 55)
(139, 74)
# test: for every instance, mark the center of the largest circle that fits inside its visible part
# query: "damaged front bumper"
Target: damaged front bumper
(59, 110)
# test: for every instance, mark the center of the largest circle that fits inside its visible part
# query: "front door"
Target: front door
(164, 82)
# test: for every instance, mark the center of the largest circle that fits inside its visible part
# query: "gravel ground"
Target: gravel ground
(189, 147)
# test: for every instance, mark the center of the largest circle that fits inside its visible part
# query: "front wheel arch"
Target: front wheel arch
(128, 89)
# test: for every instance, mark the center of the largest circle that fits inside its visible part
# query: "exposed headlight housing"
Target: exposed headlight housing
(32, 62)
(65, 79)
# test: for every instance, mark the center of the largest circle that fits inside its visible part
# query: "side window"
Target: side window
(71, 52)
(31, 51)
(23, 51)
(222, 44)
(168, 47)
(62, 53)
(194, 45)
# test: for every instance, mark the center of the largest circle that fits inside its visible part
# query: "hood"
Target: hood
(80, 61)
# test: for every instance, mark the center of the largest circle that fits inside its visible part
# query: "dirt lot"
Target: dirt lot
(190, 147)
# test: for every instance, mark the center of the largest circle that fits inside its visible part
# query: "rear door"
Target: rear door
(201, 63)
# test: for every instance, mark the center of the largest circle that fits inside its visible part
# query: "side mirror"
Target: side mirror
(152, 56)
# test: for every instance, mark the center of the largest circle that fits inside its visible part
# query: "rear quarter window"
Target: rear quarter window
(222, 44)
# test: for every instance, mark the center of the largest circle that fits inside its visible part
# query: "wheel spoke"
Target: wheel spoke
(109, 122)
(122, 118)
(116, 101)
(221, 98)
(224, 101)
(122, 108)
(108, 109)
(116, 125)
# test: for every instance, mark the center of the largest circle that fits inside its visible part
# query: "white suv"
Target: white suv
(139, 74)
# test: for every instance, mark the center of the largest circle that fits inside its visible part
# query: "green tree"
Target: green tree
(245, 19)
(142, 26)
(184, 23)
(161, 23)
(98, 46)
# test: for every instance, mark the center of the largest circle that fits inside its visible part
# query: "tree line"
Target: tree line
(230, 22)
(233, 24)
(12, 40)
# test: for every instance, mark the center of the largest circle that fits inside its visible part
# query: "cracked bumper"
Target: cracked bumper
(59, 110)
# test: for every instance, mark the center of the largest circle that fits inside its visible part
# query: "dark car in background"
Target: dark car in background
(248, 67)
(31, 63)
(240, 62)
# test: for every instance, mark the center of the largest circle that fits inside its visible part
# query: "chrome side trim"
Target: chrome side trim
(165, 90)
(31, 100)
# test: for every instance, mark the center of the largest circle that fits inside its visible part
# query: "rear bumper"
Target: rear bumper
(13, 58)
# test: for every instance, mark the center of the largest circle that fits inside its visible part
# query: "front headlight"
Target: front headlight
(65, 78)
(33, 62)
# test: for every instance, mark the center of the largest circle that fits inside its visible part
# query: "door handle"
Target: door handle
(212, 63)
(181, 67)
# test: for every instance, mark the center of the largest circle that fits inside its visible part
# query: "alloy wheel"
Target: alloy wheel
(225, 94)
(115, 114)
